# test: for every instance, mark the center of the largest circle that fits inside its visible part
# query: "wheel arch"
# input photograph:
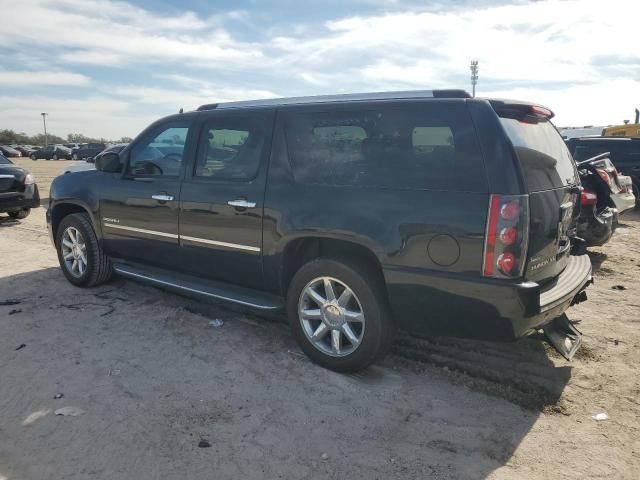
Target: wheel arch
(63, 209)
(302, 250)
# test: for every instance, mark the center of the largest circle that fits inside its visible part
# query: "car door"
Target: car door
(222, 197)
(139, 208)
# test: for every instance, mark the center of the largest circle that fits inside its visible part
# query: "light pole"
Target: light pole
(44, 122)
(474, 76)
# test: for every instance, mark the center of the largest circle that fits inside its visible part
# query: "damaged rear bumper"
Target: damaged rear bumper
(429, 303)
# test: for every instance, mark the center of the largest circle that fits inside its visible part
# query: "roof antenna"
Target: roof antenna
(181, 110)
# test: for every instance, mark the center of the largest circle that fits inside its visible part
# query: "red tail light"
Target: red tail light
(506, 262)
(587, 197)
(505, 248)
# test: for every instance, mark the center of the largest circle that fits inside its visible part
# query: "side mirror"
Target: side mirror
(109, 162)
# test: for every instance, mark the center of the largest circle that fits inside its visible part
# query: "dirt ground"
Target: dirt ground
(155, 380)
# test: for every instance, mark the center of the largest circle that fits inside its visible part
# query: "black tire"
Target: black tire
(55, 156)
(99, 269)
(369, 289)
(33, 157)
(20, 214)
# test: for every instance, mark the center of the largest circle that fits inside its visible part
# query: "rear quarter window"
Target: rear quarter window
(544, 158)
(418, 145)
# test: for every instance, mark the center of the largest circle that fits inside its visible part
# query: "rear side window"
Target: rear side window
(545, 160)
(418, 145)
(231, 147)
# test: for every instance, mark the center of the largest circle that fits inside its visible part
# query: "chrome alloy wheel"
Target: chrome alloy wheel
(331, 316)
(74, 251)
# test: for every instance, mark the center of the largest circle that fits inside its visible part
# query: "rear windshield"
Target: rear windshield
(4, 160)
(545, 160)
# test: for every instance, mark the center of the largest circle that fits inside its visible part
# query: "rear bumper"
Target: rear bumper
(10, 201)
(435, 303)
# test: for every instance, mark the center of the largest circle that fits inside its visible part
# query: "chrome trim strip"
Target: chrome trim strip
(7, 176)
(193, 290)
(220, 244)
(184, 237)
(140, 230)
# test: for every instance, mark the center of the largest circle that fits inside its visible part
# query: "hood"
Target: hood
(18, 172)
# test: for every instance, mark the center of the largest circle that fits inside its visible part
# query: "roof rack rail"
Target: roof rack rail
(339, 98)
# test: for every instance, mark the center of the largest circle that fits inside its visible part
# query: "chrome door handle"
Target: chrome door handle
(241, 203)
(163, 197)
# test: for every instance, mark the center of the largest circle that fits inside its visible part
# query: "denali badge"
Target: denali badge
(541, 263)
(110, 220)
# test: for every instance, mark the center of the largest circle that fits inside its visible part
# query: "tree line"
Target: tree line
(9, 137)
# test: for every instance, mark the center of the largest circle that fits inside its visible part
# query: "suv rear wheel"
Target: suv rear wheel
(81, 258)
(339, 314)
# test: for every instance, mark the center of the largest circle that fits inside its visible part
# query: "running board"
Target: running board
(200, 288)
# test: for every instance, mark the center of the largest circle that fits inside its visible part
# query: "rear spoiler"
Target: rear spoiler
(521, 110)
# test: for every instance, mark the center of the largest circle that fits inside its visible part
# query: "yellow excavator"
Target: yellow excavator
(626, 130)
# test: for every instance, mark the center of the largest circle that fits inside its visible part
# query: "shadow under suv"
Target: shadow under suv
(355, 214)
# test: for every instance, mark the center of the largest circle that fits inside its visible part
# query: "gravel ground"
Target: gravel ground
(163, 394)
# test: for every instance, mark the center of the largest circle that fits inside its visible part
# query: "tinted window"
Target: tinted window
(4, 160)
(230, 148)
(159, 154)
(417, 145)
(545, 160)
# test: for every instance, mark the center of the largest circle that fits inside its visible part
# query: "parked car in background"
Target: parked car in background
(52, 152)
(347, 212)
(25, 150)
(88, 150)
(89, 163)
(623, 152)
(603, 199)
(18, 190)
(8, 151)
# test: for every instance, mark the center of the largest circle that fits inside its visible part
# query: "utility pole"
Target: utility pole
(44, 121)
(474, 76)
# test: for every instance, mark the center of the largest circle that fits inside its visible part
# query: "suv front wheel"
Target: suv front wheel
(81, 257)
(339, 314)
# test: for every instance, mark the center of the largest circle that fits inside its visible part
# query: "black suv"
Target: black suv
(52, 152)
(356, 214)
(623, 152)
(88, 150)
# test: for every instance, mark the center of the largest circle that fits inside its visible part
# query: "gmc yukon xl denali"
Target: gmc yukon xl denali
(353, 214)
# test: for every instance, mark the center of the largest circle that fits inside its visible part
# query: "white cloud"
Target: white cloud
(190, 97)
(32, 78)
(575, 56)
(97, 116)
(564, 49)
(120, 32)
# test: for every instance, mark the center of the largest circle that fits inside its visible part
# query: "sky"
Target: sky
(109, 68)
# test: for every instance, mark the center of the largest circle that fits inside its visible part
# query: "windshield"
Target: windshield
(545, 160)
(4, 160)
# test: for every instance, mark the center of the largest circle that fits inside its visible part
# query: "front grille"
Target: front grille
(7, 184)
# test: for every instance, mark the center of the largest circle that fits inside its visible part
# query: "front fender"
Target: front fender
(73, 193)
